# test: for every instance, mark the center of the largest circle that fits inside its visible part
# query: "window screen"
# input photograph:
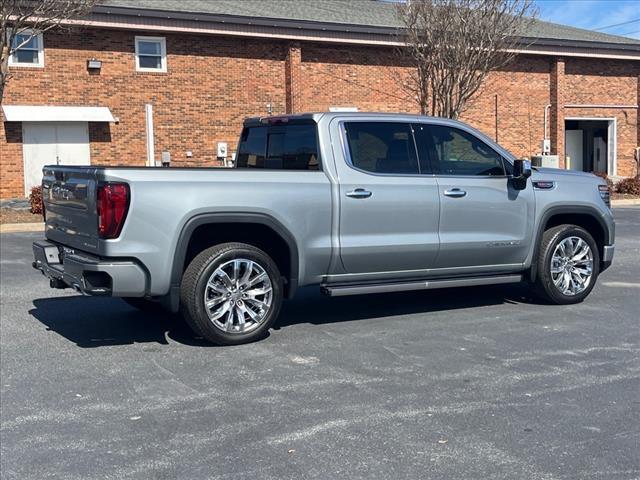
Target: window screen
(289, 147)
(382, 147)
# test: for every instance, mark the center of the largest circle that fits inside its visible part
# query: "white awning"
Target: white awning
(47, 113)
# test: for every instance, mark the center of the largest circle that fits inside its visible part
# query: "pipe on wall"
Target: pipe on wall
(148, 116)
(546, 120)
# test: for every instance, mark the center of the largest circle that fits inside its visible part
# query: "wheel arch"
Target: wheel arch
(245, 222)
(582, 216)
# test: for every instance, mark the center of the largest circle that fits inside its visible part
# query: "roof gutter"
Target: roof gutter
(216, 24)
(552, 42)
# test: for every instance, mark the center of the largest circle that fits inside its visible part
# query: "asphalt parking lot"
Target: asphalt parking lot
(456, 384)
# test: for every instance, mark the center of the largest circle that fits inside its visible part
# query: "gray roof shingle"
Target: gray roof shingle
(363, 13)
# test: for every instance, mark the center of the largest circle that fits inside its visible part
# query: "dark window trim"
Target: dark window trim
(428, 163)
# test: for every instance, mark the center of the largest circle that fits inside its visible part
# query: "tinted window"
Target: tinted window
(290, 147)
(382, 147)
(454, 152)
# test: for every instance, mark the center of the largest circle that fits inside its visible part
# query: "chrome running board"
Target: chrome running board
(342, 290)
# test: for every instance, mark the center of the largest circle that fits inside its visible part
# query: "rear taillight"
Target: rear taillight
(605, 194)
(113, 203)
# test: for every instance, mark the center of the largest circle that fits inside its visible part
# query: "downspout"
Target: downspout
(546, 118)
(496, 110)
(148, 114)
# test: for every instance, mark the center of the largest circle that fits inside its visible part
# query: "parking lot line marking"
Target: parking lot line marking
(621, 284)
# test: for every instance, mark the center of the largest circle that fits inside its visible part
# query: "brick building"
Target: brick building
(142, 79)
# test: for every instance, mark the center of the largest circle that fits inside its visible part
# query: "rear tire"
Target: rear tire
(231, 294)
(568, 265)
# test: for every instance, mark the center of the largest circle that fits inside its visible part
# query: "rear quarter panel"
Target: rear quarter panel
(163, 201)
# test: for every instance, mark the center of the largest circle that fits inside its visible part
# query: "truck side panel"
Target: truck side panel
(163, 200)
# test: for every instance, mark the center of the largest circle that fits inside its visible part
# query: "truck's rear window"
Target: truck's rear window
(279, 147)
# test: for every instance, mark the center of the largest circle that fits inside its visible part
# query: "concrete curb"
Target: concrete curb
(625, 202)
(21, 227)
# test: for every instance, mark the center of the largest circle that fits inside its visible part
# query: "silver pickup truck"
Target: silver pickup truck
(355, 203)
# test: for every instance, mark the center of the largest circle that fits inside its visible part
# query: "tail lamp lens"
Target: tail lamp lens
(113, 203)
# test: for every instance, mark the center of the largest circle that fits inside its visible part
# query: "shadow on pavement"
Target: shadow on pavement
(311, 307)
(94, 322)
(100, 321)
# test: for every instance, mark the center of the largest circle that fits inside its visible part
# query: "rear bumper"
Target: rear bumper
(89, 274)
(607, 256)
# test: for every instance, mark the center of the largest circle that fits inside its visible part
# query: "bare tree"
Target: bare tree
(454, 44)
(24, 20)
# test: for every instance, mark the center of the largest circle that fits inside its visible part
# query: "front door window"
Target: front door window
(456, 152)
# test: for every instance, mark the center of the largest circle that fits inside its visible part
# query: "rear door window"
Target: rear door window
(382, 147)
(279, 147)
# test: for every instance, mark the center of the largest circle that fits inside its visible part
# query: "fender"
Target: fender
(172, 300)
(563, 210)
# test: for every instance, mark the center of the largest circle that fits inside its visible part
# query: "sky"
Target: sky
(597, 15)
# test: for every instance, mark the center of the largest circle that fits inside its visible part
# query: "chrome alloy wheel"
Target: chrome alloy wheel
(238, 296)
(572, 266)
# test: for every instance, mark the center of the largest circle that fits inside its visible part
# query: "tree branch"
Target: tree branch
(29, 19)
(454, 44)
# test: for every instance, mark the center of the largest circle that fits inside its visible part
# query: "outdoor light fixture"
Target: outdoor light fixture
(94, 64)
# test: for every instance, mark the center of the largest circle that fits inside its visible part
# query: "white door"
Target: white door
(599, 155)
(573, 148)
(51, 143)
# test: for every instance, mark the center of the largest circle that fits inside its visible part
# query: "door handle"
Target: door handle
(359, 193)
(455, 193)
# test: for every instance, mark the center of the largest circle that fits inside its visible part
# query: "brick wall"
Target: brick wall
(367, 77)
(607, 82)
(212, 83)
(522, 91)
(11, 165)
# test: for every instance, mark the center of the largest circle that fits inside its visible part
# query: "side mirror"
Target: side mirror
(521, 171)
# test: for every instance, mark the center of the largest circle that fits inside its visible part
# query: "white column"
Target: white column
(148, 110)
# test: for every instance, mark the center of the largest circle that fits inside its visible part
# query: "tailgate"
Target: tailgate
(69, 196)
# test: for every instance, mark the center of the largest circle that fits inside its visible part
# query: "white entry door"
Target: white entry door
(600, 157)
(50, 143)
(573, 148)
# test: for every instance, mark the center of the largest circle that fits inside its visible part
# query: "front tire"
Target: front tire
(231, 293)
(568, 265)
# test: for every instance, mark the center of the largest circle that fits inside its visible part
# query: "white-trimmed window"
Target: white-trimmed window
(151, 54)
(28, 50)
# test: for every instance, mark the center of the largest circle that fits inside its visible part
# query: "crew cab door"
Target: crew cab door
(388, 210)
(485, 224)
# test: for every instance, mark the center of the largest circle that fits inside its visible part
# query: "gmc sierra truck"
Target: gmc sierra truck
(355, 203)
